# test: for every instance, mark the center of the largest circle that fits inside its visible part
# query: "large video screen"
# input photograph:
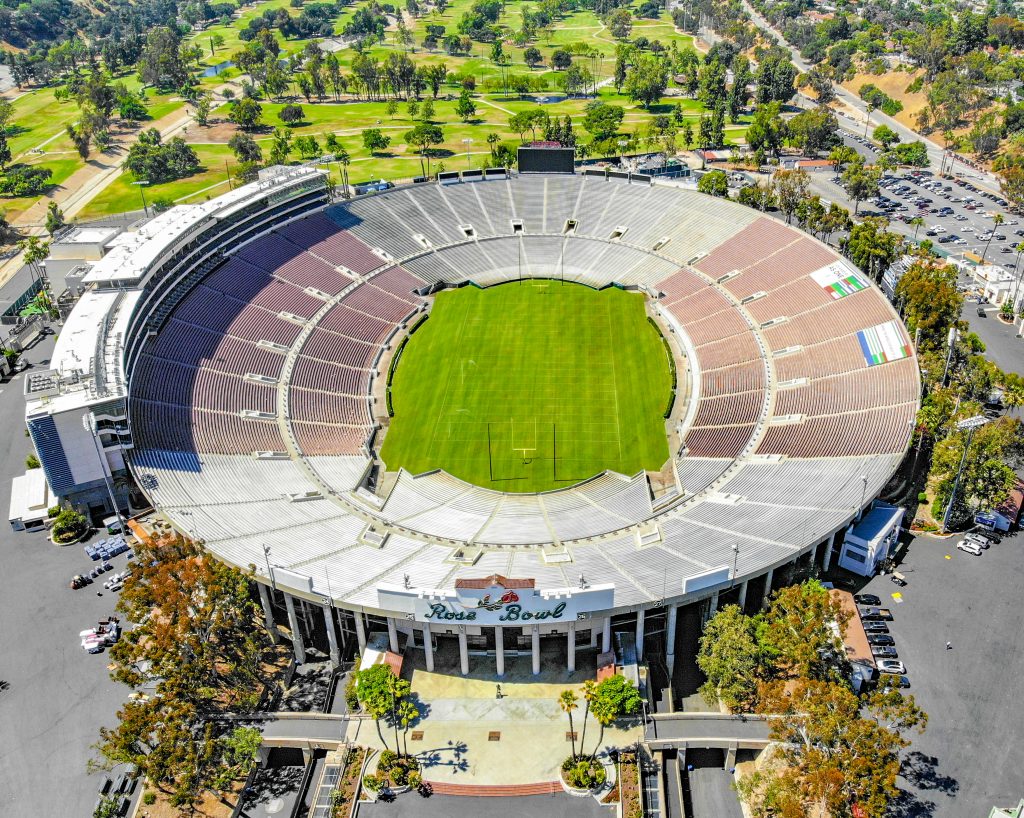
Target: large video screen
(546, 160)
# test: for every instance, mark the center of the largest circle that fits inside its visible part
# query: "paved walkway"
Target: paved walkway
(708, 730)
(460, 714)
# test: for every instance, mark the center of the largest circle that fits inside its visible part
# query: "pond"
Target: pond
(214, 70)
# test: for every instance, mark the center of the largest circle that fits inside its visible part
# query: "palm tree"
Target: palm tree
(917, 221)
(1016, 274)
(589, 692)
(567, 700)
(996, 221)
(344, 159)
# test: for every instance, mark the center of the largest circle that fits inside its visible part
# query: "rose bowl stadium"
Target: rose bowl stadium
(496, 414)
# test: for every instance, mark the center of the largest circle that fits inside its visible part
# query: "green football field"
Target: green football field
(531, 386)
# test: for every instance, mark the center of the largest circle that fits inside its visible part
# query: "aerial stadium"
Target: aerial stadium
(495, 415)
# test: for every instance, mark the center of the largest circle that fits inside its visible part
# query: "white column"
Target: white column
(767, 587)
(268, 612)
(593, 634)
(828, 551)
(392, 635)
(571, 646)
(332, 637)
(463, 651)
(360, 631)
(714, 604)
(743, 595)
(639, 634)
(606, 637)
(499, 649)
(670, 639)
(293, 623)
(535, 644)
(428, 648)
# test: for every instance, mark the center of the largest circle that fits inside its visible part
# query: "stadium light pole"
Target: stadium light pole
(970, 424)
(951, 343)
(270, 574)
(467, 142)
(142, 189)
(735, 563)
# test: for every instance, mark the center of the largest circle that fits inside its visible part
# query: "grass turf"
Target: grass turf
(531, 387)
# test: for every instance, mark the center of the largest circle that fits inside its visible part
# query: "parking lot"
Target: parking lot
(957, 213)
(56, 696)
(970, 757)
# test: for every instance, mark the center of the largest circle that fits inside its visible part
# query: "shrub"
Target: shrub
(583, 775)
(53, 511)
(372, 783)
(31, 462)
(149, 798)
(69, 525)
(415, 779)
(387, 760)
(399, 775)
(351, 696)
(922, 497)
(874, 95)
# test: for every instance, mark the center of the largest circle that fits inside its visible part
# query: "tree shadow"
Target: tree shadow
(921, 771)
(908, 805)
(274, 783)
(453, 756)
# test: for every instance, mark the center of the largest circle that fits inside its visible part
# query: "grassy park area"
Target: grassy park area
(479, 392)
(39, 135)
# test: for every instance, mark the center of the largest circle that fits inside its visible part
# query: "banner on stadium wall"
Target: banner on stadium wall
(495, 600)
(838, 280)
(883, 344)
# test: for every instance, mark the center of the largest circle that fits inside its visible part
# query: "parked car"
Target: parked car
(891, 666)
(892, 680)
(866, 599)
(991, 537)
(977, 539)
(883, 614)
(876, 627)
(880, 639)
(884, 652)
(969, 547)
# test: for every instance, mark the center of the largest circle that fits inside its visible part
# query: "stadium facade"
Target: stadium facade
(231, 357)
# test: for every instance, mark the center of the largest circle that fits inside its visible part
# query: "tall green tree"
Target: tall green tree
(730, 657)
(872, 247)
(647, 80)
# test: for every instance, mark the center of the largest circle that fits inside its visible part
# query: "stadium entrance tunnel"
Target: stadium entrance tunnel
(532, 385)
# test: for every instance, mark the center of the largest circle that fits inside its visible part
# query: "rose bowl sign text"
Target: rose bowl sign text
(495, 600)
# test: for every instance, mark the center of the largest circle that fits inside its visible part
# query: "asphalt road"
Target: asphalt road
(970, 756)
(711, 792)
(1002, 346)
(530, 806)
(57, 695)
